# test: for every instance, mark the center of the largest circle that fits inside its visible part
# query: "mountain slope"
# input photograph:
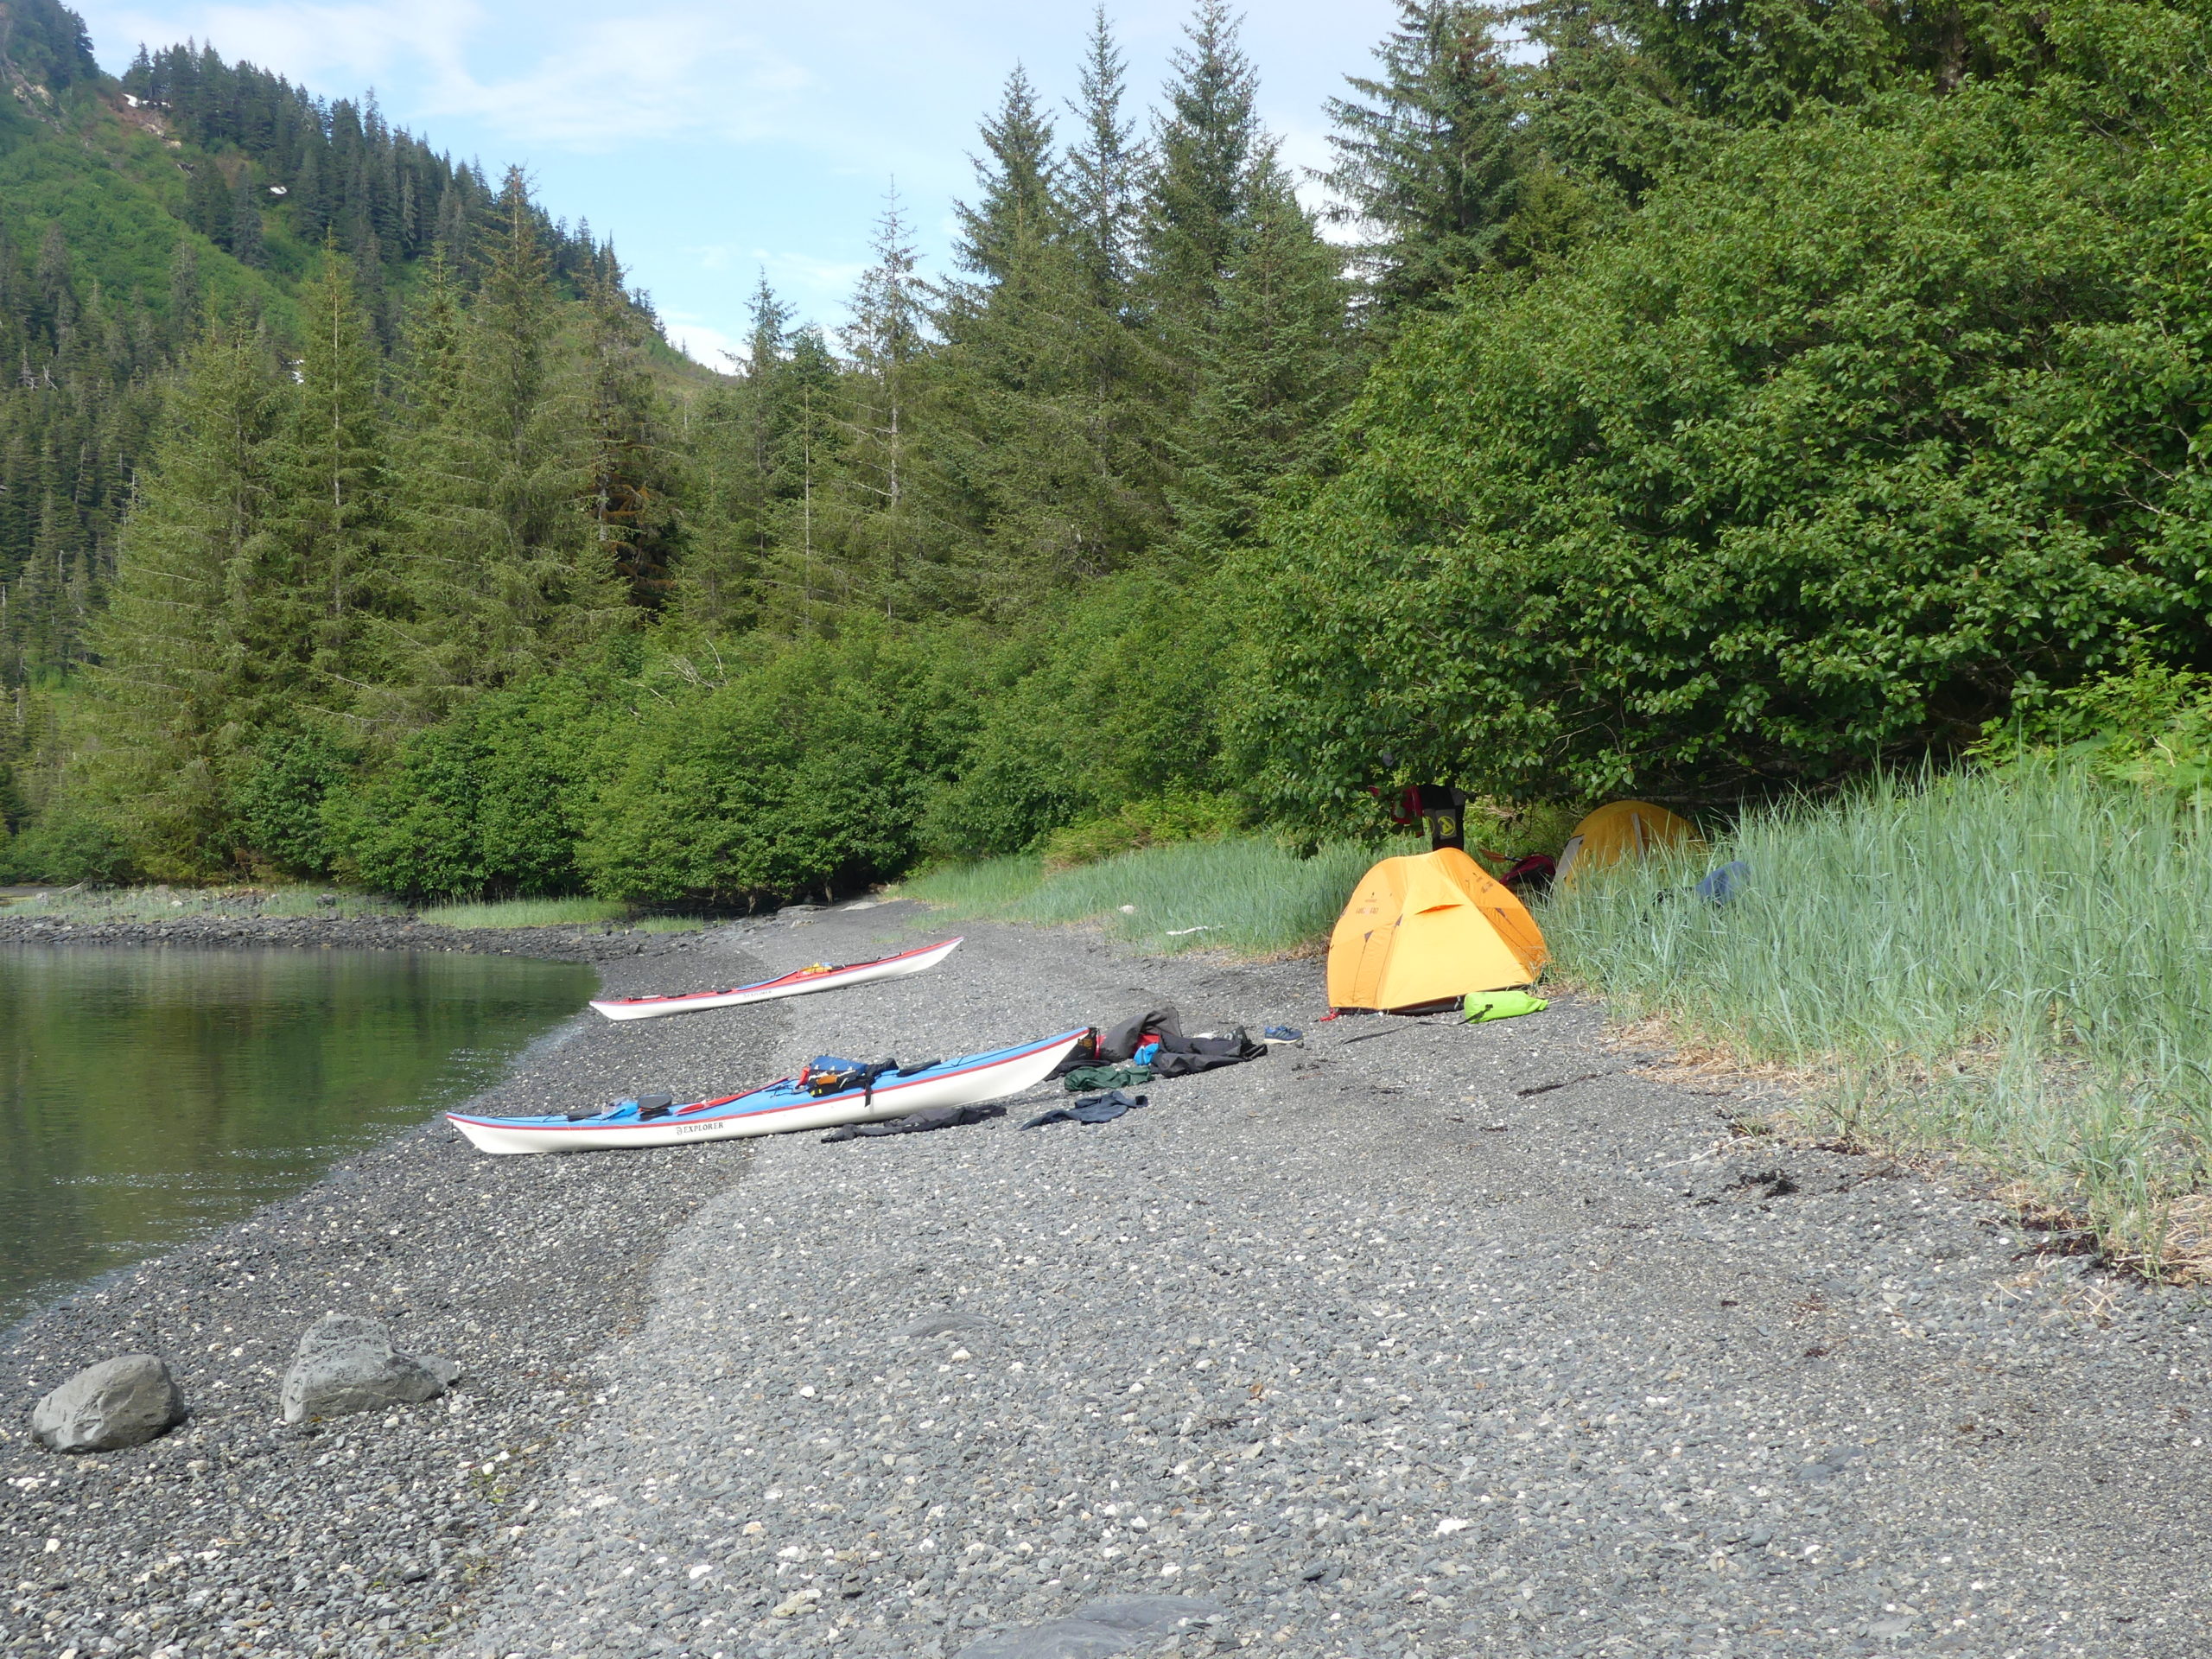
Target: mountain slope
(129, 209)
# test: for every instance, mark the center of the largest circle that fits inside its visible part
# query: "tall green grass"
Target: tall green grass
(528, 913)
(1248, 896)
(2018, 964)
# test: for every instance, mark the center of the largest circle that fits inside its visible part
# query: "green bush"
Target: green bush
(1109, 702)
(279, 805)
(488, 802)
(67, 850)
(1848, 432)
(804, 772)
(2150, 726)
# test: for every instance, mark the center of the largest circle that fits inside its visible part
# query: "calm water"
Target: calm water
(146, 1095)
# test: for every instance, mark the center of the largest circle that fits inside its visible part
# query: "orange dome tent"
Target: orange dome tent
(1622, 829)
(1429, 929)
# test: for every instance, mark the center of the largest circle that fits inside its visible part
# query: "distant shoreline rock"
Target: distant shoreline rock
(562, 944)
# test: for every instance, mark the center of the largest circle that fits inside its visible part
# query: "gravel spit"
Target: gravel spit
(1460, 1340)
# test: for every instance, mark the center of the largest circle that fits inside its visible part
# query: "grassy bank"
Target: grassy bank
(2017, 966)
(1251, 897)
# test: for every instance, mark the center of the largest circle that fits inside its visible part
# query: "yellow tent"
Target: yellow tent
(1430, 929)
(1622, 829)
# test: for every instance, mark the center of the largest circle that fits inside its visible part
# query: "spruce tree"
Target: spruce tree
(806, 575)
(330, 473)
(1102, 169)
(186, 296)
(1428, 156)
(632, 492)
(208, 203)
(889, 550)
(1206, 152)
(1048, 389)
(1045, 435)
(430, 345)
(1248, 299)
(1018, 198)
(245, 242)
(504, 576)
(1272, 364)
(736, 440)
(197, 651)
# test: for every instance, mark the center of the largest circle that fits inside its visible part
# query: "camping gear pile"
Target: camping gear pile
(1154, 1042)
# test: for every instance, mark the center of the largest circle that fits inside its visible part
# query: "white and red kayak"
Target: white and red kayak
(781, 1107)
(798, 983)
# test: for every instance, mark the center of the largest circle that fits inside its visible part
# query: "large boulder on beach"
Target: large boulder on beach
(346, 1364)
(126, 1400)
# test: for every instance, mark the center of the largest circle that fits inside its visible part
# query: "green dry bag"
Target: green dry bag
(1501, 1004)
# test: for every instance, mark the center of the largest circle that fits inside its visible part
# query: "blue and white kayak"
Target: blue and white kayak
(781, 1107)
(798, 983)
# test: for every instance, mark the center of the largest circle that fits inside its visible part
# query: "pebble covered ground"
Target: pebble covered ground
(1418, 1339)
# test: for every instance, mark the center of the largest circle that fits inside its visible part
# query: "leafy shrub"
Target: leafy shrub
(1108, 702)
(488, 803)
(805, 770)
(1847, 433)
(1163, 819)
(279, 803)
(68, 850)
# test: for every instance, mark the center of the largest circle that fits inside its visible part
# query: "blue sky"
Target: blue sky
(712, 141)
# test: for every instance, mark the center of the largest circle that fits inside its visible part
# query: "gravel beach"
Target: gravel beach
(235, 1534)
(1420, 1340)
(1416, 1339)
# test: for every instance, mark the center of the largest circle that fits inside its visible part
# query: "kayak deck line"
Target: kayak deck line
(781, 1106)
(799, 982)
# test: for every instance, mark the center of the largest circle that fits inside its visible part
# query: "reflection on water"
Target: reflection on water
(148, 1094)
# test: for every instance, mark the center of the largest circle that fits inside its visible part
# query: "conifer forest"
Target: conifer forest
(1703, 398)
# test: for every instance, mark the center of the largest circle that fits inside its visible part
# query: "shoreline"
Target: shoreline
(1474, 1340)
(367, 1533)
(602, 943)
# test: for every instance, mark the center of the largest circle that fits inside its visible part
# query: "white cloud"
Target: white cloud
(700, 341)
(601, 83)
(335, 50)
(563, 77)
(714, 138)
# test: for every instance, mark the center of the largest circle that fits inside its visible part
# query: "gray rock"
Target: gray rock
(346, 1364)
(1113, 1625)
(126, 1400)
